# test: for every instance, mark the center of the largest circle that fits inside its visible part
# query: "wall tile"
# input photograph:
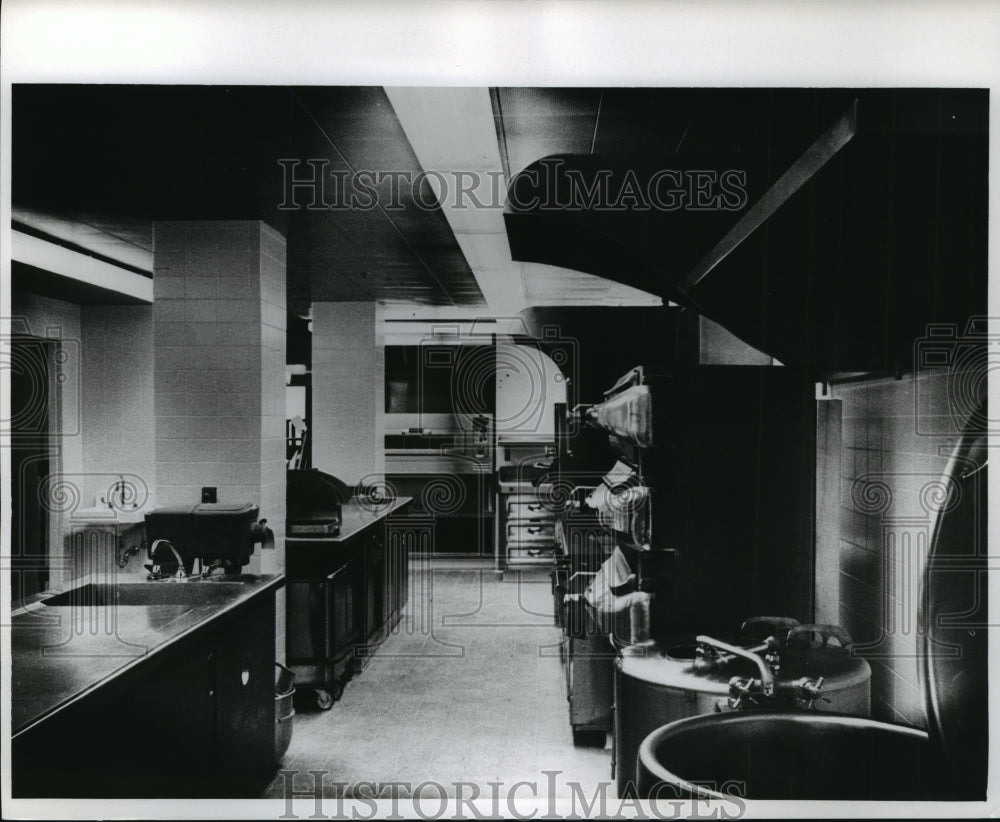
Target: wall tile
(171, 405)
(169, 311)
(165, 288)
(171, 334)
(220, 369)
(878, 600)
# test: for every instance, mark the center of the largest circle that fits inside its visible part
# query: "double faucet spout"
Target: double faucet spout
(753, 654)
(765, 657)
(155, 571)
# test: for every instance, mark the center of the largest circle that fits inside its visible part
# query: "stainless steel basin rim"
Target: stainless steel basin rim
(776, 723)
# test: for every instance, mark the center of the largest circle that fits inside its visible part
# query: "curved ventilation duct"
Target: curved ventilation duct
(835, 259)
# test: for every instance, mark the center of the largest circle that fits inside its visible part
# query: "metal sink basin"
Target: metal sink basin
(165, 592)
(777, 755)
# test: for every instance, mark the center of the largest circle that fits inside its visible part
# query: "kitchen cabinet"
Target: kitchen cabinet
(343, 600)
(346, 592)
(195, 719)
(376, 582)
(244, 681)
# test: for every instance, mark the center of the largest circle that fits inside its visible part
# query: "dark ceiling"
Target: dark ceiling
(884, 239)
(119, 157)
(536, 122)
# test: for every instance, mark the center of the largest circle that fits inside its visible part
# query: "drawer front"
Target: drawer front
(526, 507)
(528, 532)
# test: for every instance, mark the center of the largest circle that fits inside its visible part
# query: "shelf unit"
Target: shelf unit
(525, 523)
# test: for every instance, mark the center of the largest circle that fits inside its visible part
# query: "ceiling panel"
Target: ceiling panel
(119, 157)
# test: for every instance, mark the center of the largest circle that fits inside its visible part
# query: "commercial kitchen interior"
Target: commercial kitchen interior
(758, 318)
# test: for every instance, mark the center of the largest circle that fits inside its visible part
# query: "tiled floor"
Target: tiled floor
(468, 688)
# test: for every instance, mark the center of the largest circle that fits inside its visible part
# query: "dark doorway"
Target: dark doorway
(32, 363)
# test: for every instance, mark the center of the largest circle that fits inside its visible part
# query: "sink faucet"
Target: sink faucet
(154, 571)
(753, 654)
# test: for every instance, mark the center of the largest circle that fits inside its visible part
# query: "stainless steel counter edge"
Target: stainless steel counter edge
(355, 519)
(268, 582)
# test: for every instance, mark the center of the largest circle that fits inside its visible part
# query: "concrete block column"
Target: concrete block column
(219, 360)
(348, 390)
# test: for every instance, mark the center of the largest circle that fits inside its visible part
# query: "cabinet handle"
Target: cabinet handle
(211, 676)
(534, 507)
(245, 673)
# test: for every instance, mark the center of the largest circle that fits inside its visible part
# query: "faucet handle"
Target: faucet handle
(810, 691)
(705, 653)
(739, 691)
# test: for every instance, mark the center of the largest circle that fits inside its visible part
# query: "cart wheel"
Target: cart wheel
(338, 690)
(324, 699)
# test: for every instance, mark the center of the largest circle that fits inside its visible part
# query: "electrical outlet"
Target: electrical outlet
(210, 494)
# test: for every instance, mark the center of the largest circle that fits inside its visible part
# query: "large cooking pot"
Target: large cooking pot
(663, 682)
(786, 755)
(780, 755)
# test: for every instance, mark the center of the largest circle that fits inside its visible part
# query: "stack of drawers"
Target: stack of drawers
(526, 528)
(529, 529)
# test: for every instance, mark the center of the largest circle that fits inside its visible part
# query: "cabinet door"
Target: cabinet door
(345, 598)
(392, 580)
(150, 733)
(403, 548)
(399, 555)
(244, 652)
(375, 586)
(174, 732)
(306, 617)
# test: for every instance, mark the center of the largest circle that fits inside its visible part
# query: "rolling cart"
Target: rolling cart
(323, 618)
(346, 581)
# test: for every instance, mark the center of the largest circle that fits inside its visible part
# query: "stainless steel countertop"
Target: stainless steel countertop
(60, 654)
(355, 517)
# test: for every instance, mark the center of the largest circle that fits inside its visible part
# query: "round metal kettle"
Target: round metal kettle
(661, 682)
(807, 755)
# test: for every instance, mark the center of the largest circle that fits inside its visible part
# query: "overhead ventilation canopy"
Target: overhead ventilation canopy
(862, 223)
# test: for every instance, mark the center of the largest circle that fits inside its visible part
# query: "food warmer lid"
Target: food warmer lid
(237, 510)
(953, 611)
